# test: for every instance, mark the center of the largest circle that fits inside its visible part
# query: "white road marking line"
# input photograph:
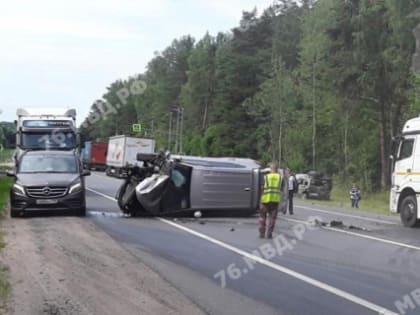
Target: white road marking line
(347, 215)
(382, 240)
(373, 238)
(323, 286)
(95, 174)
(316, 283)
(100, 175)
(101, 194)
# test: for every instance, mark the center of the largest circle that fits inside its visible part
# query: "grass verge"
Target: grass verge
(5, 184)
(6, 155)
(377, 202)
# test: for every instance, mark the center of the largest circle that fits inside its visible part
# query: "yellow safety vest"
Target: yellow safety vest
(271, 191)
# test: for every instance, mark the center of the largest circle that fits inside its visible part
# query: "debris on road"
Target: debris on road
(335, 223)
(352, 227)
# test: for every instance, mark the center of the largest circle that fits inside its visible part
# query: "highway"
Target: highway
(310, 267)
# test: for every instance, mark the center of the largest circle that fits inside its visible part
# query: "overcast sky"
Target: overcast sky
(64, 53)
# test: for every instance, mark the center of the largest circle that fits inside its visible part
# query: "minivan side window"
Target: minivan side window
(406, 149)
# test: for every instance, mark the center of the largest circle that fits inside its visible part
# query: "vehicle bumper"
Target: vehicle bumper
(71, 202)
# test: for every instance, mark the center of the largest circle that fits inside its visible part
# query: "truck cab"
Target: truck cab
(45, 129)
(405, 180)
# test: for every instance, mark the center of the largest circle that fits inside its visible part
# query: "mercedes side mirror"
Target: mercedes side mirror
(10, 173)
(86, 173)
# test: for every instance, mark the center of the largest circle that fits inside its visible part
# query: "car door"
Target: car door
(404, 164)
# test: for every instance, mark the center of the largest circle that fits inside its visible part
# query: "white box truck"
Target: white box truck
(405, 180)
(122, 153)
(45, 129)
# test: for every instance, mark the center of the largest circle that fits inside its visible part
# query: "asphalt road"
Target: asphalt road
(364, 266)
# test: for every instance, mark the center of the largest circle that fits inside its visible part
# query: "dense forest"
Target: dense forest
(319, 85)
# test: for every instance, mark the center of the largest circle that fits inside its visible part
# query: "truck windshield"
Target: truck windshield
(41, 140)
(48, 164)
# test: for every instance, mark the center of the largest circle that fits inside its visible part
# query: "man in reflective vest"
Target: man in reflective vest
(270, 199)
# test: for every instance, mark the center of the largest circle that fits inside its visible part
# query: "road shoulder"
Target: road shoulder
(64, 265)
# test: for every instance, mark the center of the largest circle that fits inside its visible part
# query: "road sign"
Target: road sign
(136, 128)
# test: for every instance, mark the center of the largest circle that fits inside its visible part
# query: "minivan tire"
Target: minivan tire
(14, 213)
(81, 212)
(408, 211)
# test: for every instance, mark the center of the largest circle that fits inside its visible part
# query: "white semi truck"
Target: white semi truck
(405, 181)
(45, 129)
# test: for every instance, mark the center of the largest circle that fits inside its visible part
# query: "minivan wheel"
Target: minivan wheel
(81, 212)
(408, 211)
(14, 213)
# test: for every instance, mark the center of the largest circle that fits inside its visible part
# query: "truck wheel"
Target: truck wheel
(408, 211)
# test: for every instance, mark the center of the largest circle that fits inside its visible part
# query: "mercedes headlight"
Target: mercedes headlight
(75, 188)
(19, 189)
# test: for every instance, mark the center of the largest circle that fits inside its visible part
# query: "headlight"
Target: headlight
(19, 190)
(75, 188)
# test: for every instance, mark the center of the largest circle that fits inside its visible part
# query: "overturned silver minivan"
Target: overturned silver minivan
(166, 184)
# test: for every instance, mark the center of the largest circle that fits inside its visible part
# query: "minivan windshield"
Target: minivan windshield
(48, 164)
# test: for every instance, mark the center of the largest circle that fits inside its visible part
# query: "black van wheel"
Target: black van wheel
(81, 212)
(408, 211)
(14, 213)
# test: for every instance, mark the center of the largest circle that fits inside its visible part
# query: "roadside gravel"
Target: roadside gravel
(67, 265)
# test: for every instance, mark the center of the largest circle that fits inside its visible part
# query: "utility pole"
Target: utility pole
(313, 118)
(176, 125)
(170, 131)
(181, 129)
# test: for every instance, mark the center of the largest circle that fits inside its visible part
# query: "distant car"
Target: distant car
(314, 185)
(48, 180)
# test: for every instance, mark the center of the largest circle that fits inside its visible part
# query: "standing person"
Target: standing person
(292, 187)
(354, 196)
(270, 199)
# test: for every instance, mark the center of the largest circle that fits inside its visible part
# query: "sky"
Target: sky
(65, 53)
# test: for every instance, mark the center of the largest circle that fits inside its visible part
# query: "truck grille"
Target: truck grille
(46, 192)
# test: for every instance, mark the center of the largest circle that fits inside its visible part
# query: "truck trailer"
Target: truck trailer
(94, 155)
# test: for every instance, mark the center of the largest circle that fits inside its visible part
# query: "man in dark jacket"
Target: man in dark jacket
(292, 186)
(354, 196)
